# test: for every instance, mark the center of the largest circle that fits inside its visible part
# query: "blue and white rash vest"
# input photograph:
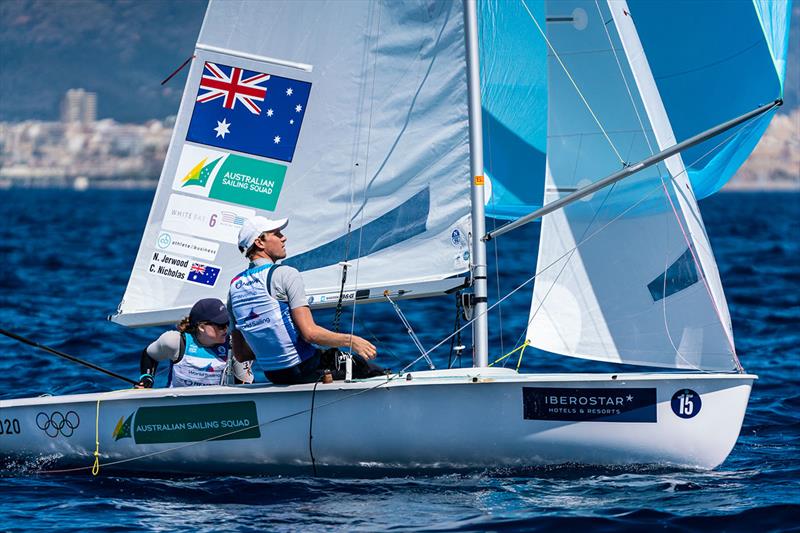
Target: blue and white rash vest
(200, 365)
(265, 322)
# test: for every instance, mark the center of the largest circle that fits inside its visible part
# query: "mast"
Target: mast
(480, 330)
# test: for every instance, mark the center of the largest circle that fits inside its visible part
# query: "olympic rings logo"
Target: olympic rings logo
(58, 423)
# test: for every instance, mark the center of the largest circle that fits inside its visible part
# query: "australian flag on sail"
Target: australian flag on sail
(204, 274)
(247, 111)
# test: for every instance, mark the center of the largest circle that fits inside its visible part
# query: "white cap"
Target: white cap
(254, 227)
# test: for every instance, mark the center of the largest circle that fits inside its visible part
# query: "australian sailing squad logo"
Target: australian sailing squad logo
(189, 423)
(592, 405)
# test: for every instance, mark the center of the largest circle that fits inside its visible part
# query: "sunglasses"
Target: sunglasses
(223, 325)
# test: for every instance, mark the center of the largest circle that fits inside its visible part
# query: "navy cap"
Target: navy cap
(209, 310)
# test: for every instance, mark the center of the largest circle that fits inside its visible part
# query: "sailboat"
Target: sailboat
(387, 132)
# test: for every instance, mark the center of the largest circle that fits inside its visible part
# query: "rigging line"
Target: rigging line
(366, 171)
(351, 202)
(66, 356)
(664, 308)
(409, 329)
(223, 435)
(568, 259)
(311, 428)
(692, 251)
(363, 325)
(675, 212)
(656, 188)
(390, 151)
(490, 150)
(575, 85)
(703, 276)
(524, 283)
(456, 339)
(497, 282)
(625, 80)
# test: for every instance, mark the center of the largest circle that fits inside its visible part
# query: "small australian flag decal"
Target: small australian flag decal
(247, 111)
(203, 274)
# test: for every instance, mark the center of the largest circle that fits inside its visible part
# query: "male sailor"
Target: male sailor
(271, 319)
(198, 350)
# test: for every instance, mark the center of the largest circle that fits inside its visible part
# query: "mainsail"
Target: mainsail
(625, 275)
(348, 117)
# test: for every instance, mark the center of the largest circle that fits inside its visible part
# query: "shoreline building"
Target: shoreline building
(79, 106)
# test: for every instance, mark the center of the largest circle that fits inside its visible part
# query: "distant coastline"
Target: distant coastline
(104, 154)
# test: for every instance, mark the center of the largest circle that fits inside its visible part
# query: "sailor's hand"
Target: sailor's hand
(363, 347)
(145, 382)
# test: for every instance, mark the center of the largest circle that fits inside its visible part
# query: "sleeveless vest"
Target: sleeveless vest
(199, 365)
(265, 322)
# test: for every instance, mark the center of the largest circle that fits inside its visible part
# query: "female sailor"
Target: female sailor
(198, 350)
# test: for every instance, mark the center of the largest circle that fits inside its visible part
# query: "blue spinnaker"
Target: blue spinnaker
(713, 61)
(513, 59)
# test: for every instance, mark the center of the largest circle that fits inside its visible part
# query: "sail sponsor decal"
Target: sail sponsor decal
(204, 218)
(176, 243)
(55, 423)
(345, 296)
(686, 403)
(589, 404)
(183, 268)
(229, 177)
(190, 423)
(248, 111)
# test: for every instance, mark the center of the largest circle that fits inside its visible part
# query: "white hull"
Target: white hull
(440, 420)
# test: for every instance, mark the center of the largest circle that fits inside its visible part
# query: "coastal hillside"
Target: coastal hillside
(120, 49)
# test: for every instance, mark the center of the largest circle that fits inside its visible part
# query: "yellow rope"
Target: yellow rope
(520, 349)
(96, 465)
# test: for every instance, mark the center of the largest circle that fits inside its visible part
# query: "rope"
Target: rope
(456, 341)
(178, 69)
(223, 435)
(527, 281)
(337, 315)
(651, 192)
(520, 349)
(311, 427)
(366, 183)
(96, 465)
(409, 330)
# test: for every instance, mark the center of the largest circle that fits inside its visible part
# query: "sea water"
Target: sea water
(65, 259)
